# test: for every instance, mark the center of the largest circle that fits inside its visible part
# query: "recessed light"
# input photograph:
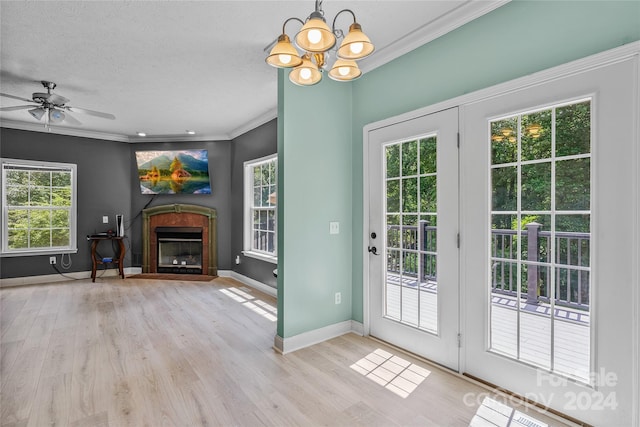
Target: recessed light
(191, 132)
(141, 134)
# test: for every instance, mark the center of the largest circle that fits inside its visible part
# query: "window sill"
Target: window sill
(37, 253)
(261, 257)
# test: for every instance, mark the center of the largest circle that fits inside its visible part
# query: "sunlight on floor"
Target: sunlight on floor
(267, 311)
(391, 372)
(495, 414)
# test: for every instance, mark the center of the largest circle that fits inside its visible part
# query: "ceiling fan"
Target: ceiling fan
(52, 107)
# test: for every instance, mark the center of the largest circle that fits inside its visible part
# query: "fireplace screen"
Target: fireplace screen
(179, 250)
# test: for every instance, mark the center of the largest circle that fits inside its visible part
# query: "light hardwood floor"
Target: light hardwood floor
(141, 352)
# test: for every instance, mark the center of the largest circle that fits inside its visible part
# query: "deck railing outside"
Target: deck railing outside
(415, 241)
(409, 244)
(572, 252)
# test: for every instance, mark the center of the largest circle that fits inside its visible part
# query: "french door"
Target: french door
(513, 258)
(548, 197)
(413, 228)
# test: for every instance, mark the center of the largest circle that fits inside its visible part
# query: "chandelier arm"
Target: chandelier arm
(268, 47)
(333, 26)
(291, 19)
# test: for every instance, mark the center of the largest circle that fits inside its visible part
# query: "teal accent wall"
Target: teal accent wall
(517, 39)
(315, 181)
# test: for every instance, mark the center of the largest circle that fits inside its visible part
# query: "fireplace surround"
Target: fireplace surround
(182, 228)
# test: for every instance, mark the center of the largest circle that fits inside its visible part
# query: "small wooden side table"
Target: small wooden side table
(118, 259)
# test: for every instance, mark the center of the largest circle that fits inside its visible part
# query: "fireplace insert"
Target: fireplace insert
(179, 250)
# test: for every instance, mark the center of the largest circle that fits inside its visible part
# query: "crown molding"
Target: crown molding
(60, 130)
(254, 123)
(178, 137)
(430, 31)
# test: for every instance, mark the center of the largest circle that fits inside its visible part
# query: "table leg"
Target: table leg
(121, 258)
(94, 261)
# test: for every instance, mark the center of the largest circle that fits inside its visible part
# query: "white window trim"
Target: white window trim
(262, 257)
(247, 202)
(73, 235)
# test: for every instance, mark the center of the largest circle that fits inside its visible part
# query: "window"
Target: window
(260, 190)
(541, 237)
(38, 207)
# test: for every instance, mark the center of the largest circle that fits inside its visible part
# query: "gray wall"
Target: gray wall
(220, 175)
(108, 185)
(104, 188)
(259, 142)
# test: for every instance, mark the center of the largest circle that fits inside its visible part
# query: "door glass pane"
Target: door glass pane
(541, 238)
(573, 134)
(536, 135)
(411, 239)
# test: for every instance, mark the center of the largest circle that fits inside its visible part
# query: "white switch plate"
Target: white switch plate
(334, 227)
(105, 219)
(338, 298)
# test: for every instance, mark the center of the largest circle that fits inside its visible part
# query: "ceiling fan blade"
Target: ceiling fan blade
(17, 107)
(15, 97)
(56, 99)
(91, 112)
(72, 120)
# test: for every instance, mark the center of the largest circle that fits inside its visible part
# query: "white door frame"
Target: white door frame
(440, 345)
(631, 50)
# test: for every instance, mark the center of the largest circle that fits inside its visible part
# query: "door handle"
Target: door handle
(373, 250)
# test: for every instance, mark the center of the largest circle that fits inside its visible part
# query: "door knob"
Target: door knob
(373, 250)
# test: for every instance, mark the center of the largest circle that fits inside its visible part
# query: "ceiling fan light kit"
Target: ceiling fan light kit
(316, 39)
(37, 113)
(52, 107)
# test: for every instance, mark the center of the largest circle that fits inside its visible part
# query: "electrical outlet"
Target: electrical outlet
(338, 298)
(105, 219)
(52, 260)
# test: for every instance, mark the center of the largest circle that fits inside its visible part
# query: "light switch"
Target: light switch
(105, 219)
(334, 227)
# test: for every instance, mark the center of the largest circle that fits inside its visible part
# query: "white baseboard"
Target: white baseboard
(249, 282)
(52, 278)
(307, 339)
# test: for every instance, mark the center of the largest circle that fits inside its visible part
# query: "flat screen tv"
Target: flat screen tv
(173, 172)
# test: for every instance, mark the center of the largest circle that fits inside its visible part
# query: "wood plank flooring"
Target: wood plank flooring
(181, 353)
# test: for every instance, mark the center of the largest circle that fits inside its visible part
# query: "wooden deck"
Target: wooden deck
(571, 345)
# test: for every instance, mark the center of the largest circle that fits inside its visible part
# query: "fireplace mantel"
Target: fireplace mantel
(179, 215)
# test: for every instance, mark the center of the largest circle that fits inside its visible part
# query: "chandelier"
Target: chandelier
(316, 39)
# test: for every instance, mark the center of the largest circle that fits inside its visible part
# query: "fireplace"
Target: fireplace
(179, 239)
(179, 250)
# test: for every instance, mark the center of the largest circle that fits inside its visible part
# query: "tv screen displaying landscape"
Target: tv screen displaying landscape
(173, 172)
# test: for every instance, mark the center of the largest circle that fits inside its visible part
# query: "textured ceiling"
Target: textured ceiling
(164, 67)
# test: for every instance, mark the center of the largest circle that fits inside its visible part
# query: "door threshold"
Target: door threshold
(528, 402)
(549, 412)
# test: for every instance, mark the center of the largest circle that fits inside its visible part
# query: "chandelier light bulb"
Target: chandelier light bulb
(314, 36)
(355, 45)
(305, 73)
(285, 59)
(344, 70)
(283, 54)
(356, 48)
